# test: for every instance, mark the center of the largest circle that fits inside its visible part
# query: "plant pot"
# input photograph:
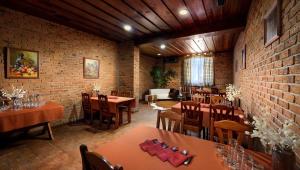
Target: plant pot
(283, 160)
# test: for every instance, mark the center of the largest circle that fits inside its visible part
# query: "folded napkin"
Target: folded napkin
(112, 97)
(177, 159)
(164, 154)
(154, 149)
(146, 145)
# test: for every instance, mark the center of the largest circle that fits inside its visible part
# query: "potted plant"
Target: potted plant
(160, 77)
(283, 142)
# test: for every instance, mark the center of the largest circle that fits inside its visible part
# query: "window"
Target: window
(198, 71)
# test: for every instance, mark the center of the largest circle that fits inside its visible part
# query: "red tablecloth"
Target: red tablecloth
(113, 102)
(126, 151)
(16, 119)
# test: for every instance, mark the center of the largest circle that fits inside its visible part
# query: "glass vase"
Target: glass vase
(283, 159)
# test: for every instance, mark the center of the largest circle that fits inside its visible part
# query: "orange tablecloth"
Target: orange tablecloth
(125, 151)
(113, 102)
(16, 119)
(205, 110)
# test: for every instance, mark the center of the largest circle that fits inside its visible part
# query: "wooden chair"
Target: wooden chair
(114, 92)
(225, 130)
(192, 117)
(105, 113)
(216, 99)
(222, 112)
(174, 121)
(124, 108)
(125, 94)
(206, 94)
(222, 94)
(198, 98)
(94, 161)
(87, 107)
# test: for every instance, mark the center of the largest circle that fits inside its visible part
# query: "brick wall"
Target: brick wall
(129, 68)
(175, 82)
(146, 64)
(272, 76)
(61, 51)
(223, 69)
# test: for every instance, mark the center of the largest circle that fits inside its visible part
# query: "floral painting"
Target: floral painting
(90, 68)
(22, 63)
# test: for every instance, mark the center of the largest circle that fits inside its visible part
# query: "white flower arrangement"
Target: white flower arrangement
(16, 93)
(96, 87)
(284, 138)
(232, 92)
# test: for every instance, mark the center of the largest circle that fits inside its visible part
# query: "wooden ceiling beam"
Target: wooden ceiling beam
(205, 30)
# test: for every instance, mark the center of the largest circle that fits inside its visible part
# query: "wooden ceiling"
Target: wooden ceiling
(210, 27)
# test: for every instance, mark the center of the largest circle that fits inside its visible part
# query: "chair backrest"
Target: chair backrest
(125, 94)
(171, 121)
(103, 104)
(198, 98)
(94, 161)
(216, 99)
(222, 112)
(223, 94)
(206, 94)
(114, 93)
(226, 128)
(192, 115)
(86, 103)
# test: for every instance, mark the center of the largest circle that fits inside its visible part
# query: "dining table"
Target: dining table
(15, 119)
(125, 151)
(114, 104)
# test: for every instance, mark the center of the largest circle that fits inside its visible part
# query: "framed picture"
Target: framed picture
(90, 68)
(243, 66)
(21, 64)
(272, 23)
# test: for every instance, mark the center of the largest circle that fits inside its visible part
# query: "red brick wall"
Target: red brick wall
(272, 76)
(61, 51)
(146, 64)
(223, 70)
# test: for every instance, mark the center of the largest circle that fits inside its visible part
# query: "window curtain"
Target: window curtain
(198, 71)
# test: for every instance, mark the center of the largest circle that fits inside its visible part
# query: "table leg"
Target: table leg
(129, 113)
(117, 120)
(158, 119)
(49, 130)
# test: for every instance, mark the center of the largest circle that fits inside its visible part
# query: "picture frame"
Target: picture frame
(21, 63)
(91, 68)
(243, 65)
(272, 23)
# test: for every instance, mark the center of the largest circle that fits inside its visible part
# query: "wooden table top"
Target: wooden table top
(115, 99)
(125, 151)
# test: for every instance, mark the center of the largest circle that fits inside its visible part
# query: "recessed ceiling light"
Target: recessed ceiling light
(162, 46)
(127, 27)
(158, 54)
(183, 12)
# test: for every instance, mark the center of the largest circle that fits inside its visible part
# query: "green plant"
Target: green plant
(160, 77)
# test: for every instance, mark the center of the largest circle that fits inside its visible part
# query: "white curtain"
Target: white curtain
(198, 71)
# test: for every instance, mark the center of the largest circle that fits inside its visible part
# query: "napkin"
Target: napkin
(164, 154)
(177, 159)
(154, 149)
(146, 145)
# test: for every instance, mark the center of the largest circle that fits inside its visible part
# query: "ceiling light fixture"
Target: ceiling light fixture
(158, 54)
(183, 12)
(162, 46)
(127, 27)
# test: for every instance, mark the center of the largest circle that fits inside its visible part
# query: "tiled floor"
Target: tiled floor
(63, 152)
